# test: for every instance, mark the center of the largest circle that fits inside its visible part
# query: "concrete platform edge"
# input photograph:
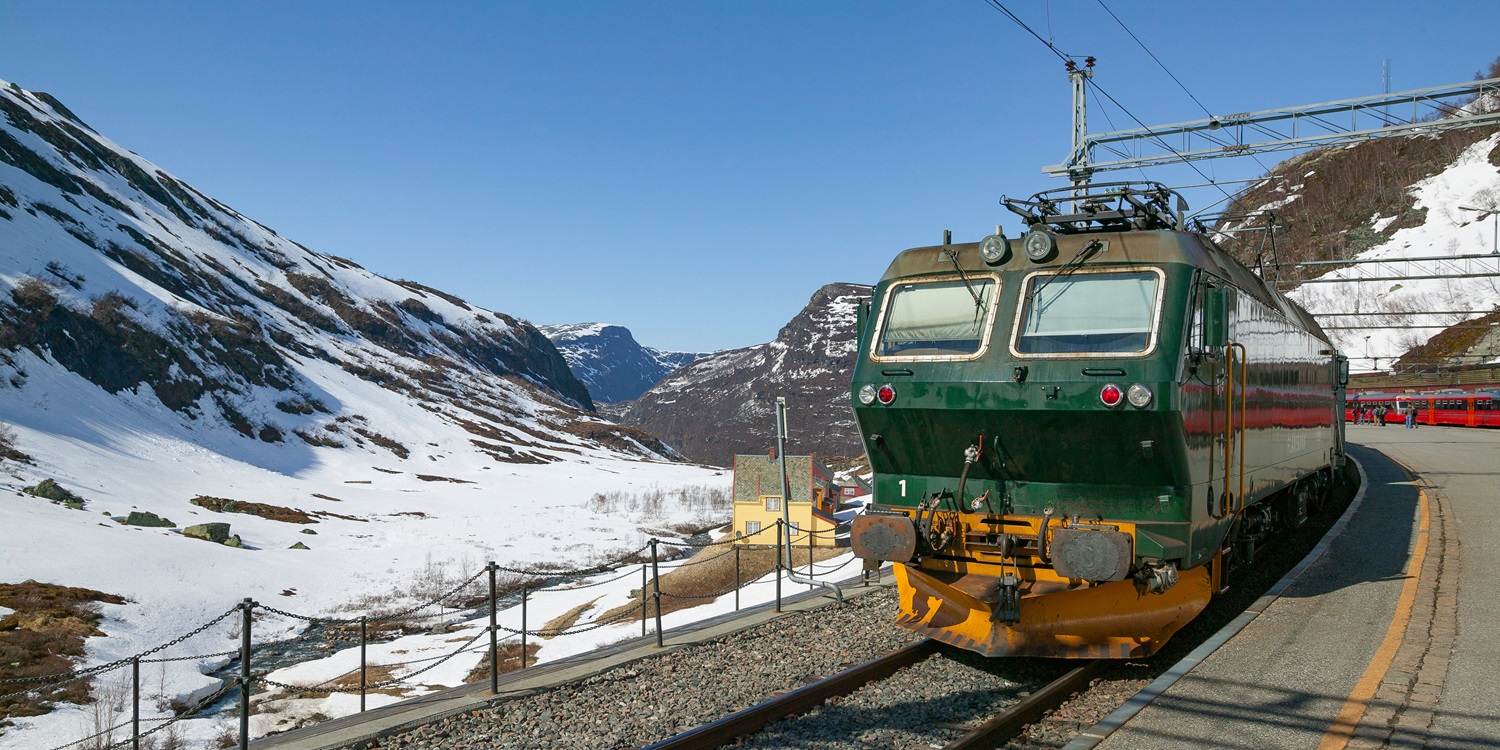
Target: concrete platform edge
(1097, 733)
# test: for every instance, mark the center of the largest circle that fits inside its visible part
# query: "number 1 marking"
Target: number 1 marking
(902, 482)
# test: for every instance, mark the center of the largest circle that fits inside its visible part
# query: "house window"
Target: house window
(752, 528)
(794, 528)
(773, 503)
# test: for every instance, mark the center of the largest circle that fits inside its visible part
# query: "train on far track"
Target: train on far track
(1452, 408)
(1076, 434)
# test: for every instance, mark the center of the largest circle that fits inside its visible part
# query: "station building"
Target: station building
(815, 498)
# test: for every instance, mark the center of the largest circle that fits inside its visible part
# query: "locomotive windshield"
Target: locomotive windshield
(941, 319)
(1112, 312)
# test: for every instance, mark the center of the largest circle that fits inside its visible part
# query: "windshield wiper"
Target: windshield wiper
(1067, 268)
(978, 305)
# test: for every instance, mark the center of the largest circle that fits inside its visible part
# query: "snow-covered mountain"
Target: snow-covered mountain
(609, 362)
(161, 353)
(725, 403)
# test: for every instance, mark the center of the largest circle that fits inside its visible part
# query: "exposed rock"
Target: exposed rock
(213, 532)
(299, 545)
(309, 531)
(146, 518)
(53, 491)
(235, 542)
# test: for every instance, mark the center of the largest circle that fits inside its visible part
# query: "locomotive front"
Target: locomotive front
(1027, 421)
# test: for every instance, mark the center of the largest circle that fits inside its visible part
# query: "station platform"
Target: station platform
(1387, 639)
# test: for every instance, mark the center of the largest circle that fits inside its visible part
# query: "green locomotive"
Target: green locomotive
(1076, 434)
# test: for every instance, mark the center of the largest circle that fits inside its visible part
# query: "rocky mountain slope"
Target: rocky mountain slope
(725, 403)
(131, 279)
(1389, 198)
(169, 366)
(609, 362)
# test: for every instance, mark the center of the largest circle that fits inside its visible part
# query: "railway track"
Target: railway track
(1032, 699)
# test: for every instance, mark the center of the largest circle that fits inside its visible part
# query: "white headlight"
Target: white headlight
(1139, 396)
(995, 249)
(867, 394)
(1040, 245)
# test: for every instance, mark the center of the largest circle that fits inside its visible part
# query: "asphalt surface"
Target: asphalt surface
(1463, 466)
(1284, 679)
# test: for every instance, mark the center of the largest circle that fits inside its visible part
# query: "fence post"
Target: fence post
(523, 627)
(363, 639)
(736, 577)
(778, 564)
(656, 590)
(245, 610)
(135, 703)
(643, 600)
(494, 646)
(810, 572)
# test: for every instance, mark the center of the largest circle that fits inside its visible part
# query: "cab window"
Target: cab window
(1111, 312)
(941, 319)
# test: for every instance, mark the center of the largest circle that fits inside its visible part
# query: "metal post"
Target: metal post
(810, 571)
(736, 577)
(643, 600)
(786, 496)
(246, 608)
(364, 637)
(778, 562)
(656, 591)
(494, 645)
(523, 627)
(135, 703)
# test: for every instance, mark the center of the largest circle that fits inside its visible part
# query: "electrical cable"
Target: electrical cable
(997, 5)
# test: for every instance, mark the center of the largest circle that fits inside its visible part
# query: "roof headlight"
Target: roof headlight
(995, 249)
(1139, 396)
(1040, 245)
(867, 394)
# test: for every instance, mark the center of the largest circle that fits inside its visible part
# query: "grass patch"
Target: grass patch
(439, 478)
(711, 574)
(49, 625)
(566, 620)
(509, 661)
(269, 512)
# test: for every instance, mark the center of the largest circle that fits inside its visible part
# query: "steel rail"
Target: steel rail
(801, 700)
(1009, 723)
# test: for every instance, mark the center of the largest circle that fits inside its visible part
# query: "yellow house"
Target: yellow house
(757, 500)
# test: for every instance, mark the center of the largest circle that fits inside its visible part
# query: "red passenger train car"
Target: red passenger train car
(1452, 408)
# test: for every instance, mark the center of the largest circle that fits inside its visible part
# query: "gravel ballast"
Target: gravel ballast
(653, 699)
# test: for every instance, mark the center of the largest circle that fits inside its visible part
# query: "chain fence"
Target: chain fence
(648, 558)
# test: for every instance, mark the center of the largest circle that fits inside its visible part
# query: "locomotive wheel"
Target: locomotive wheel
(1302, 501)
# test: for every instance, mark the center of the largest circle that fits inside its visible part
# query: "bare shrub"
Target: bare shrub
(705, 503)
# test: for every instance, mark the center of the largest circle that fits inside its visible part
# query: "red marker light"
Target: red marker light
(1111, 395)
(886, 394)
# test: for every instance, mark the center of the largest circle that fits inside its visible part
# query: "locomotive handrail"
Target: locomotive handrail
(1228, 505)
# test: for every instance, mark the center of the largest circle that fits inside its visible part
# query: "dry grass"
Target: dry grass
(269, 512)
(712, 572)
(565, 620)
(509, 661)
(49, 624)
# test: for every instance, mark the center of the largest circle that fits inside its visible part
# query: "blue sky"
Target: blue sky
(691, 170)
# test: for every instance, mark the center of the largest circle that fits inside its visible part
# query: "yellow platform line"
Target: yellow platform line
(1342, 729)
